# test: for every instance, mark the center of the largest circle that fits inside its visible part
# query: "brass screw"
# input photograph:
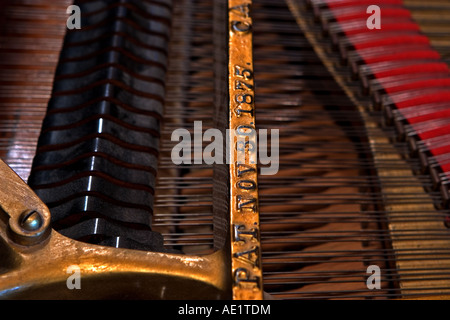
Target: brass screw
(31, 220)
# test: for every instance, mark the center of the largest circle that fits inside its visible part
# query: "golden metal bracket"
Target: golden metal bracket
(35, 261)
(28, 219)
(244, 206)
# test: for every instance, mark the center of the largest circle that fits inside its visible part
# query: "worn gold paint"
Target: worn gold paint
(38, 270)
(246, 270)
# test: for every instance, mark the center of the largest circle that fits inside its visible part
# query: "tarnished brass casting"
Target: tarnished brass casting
(244, 207)
(28, 219)
(35, 260)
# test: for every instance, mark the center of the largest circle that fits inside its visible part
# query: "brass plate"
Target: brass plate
(244, 215)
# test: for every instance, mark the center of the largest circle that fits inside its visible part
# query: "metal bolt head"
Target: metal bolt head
(31, 221)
